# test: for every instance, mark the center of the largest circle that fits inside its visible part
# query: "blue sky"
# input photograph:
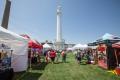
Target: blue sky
(83, 21)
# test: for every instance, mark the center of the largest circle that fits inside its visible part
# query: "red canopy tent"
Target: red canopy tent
(32, 43)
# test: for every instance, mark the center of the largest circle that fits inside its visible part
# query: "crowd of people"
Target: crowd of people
(86, 56)
(54, 56)
(51, 55)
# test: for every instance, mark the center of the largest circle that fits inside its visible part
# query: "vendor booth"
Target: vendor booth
(15, 48)
(116, 47)
(107, 52)
(34, 51)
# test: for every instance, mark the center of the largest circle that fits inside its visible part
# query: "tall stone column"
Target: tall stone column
(59, 41)
(59, 27)
(6, 14)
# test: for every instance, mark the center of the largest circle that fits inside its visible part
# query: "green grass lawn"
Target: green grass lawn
(66, 71)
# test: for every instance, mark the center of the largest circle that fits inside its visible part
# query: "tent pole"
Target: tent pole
(116, 56)
(30, 58)
(30, 64)
(11, 57)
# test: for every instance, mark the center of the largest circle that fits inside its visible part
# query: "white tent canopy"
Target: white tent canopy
(109, 37)
(47, 46)
(19, 45)
(80, 46)
(77, 46)
(69, 49)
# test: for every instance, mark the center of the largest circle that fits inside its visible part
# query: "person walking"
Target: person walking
(88, 57)
(44, 58)
(64, 55)
(58, 56)
(48, 56)
(95, 56)
(78, 55)
(75, 53)
(52, 55)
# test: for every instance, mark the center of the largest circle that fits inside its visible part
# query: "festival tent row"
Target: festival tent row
(108, 51)
(17, 47)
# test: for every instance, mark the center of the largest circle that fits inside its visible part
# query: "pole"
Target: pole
(30, 59)
(6, 14)
(11, 57)
(116, 57)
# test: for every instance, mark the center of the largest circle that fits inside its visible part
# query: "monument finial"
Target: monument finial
(58, 2)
